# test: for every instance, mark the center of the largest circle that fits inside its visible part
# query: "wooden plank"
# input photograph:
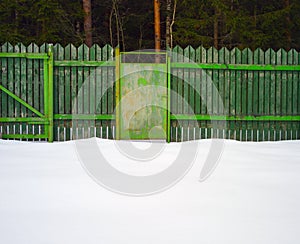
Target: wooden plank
(215, 83)
(250, 93)
(272, 84)
(42, 49)
(74, 89)
(174, 83)
(209, 83)
(267, 95)
(180, 92)
(80, 81)
(86, 81)
(10, 82)
(17, 82)
(186, 82)
(29, 80)
(284, 81)
(244, 83)
(238, 90)
(110, 83)
(221, 83)
(99, 70)
(295, 98)
(104, 82)
(192, 82)
(36, 81)
(23, 82)
(86, 86)
(256, 92)
(197, 77)
(203, 85)
(4, 82)
(30, 86)
(61, 88)
(67, 81)
(242, 88)
(232, 93)
(278, 92)
(92, 81)
(290, 58)
(226, 80)
(68, 92)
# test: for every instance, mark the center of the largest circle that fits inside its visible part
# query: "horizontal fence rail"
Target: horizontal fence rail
(235, 94)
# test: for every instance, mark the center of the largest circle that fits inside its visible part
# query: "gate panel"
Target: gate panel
(143, 97)
(26, 92)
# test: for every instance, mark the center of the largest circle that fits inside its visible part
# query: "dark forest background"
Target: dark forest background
(129, 23)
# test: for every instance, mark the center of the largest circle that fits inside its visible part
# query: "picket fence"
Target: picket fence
(235, 94)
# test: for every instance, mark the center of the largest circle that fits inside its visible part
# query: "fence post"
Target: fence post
(117, 58)
(50, 93)
(169, 98)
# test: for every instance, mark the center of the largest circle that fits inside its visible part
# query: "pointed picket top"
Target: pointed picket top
(68, 52)
(295, 55)
(215, 55)
(98, 53)
(107, 52)
(210, 53)
(200, 54)
(247, 56)
(238, 56)
(80, 51)
(227, 55)
(177, 54)
(3, 47)
(30, 47)
(233, 55)
(93, 51)
(257, 56)
(43, 48)
(222, 55)
(290, 57)
(17, 48)
(36, 48)
(279, 55)
(268, 54)
(74, 54)
(58, 52)
(192, 56)
(7, 47)
(86, 53)
(186, 54)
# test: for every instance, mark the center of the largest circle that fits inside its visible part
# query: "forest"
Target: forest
(130, 24)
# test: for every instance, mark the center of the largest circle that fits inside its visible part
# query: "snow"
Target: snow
(252, 196)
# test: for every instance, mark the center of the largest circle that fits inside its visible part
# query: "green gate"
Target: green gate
(142, 95)
(25, 100)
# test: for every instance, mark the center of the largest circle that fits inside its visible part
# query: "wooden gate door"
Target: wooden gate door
(143, 96)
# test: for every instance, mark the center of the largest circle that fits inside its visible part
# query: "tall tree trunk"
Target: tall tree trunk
(216, 28)
(288, 23)
(87, 8)
(157, 36)
(168, 24)
(172, 23)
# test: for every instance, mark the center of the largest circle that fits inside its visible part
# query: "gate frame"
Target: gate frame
(45, 119)
(118, 92)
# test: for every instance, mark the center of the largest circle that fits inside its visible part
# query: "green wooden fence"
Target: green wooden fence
(244, 94)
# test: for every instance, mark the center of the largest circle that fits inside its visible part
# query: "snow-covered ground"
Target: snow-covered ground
(253, 196)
